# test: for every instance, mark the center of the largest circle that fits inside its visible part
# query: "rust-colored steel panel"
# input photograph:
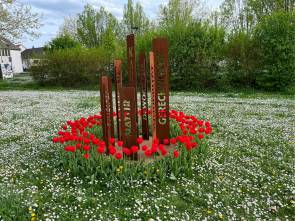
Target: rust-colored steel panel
(131, 61)
(153, 94)
(128, 117)
(106, 108)
(131, 66)
(160, 84)
(144, 97)
(118, 85)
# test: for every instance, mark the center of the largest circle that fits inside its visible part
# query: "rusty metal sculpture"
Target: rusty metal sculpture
(126, 97)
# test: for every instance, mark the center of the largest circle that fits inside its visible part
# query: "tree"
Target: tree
(179, 13)
(17, 19)
(274, 36)
(237, 15)
(243, 15)
(92, 26)
(262, 8)
(134, 16)
(62, 42)
(69, 27)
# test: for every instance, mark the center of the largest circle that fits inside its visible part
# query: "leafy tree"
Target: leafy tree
(62, 42)
(176, 13)
(241, 60)
(195, 52)
(262, 8)
(93, 25)
(243, 15)
(237, 15)
(275, 37)
(180, 13)
(134, 16)
(17, 19)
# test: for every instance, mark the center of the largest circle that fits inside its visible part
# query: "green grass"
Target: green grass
(247, 172)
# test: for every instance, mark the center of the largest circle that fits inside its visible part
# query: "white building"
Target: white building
(10, 58)
(32, 57)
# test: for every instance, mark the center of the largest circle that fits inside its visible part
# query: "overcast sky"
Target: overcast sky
(54, 11)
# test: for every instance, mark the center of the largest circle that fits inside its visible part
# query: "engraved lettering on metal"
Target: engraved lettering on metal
(143, 97)
(161, 78)
(131, 65)
(118, 79)
(128, 116)
(153, 94)
(106, 108)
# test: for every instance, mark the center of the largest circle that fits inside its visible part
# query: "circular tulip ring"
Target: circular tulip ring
(81, 136)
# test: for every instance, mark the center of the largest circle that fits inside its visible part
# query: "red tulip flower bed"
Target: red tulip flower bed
(86, 152)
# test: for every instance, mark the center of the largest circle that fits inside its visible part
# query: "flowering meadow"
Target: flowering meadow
(246, 171)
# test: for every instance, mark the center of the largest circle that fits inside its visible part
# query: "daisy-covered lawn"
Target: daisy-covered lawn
(247, 173)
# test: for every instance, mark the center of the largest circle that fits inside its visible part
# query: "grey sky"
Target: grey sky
(54, 11)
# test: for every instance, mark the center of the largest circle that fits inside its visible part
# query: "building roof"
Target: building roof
(28, 53)
(6, 44)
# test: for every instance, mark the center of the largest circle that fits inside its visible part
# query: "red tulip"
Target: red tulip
(166, 141)
(134, 149)
(100, 149)
(176, 153)
(86, 147)
(164, 152)
(201, 130)
(127, 151)
(194, 144)
(139, 140)
(148, 153)
(112, 140)
(86, 141)
(70, 148)
(144, 148)
(200, 136)
(156, 141)
(173, 140)
(118, 156)
(161, 147)
(112, 150)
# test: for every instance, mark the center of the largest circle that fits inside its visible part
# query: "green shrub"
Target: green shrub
(71, 67)
(62, 42)
(275, 37)
(194, 53)
(241, 60)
